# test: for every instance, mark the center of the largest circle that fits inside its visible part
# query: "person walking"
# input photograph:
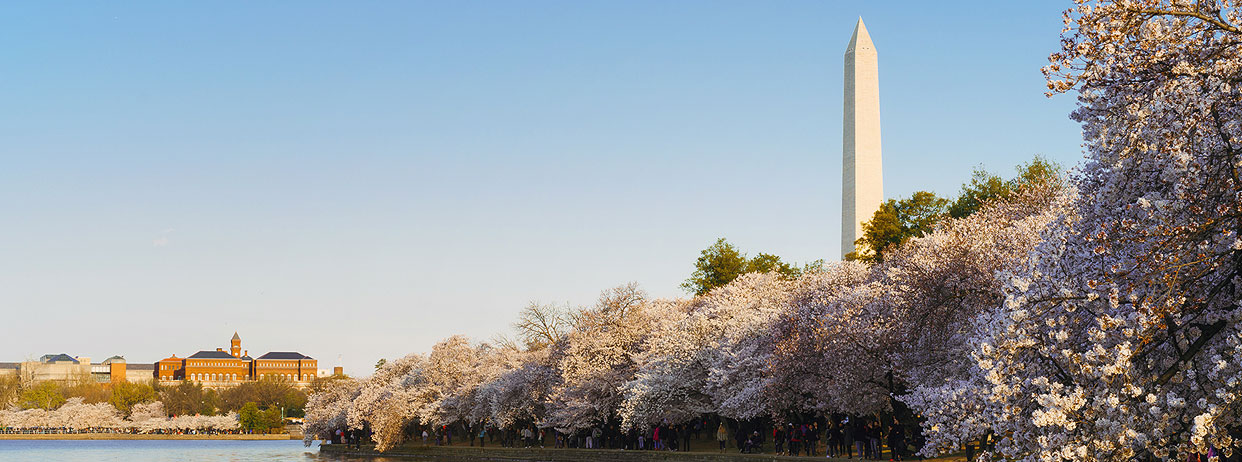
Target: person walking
(722, 436)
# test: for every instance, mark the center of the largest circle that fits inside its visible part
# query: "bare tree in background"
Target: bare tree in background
(541, 325)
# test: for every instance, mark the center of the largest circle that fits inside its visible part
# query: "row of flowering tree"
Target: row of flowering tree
(76, 416)
(1095, 318)
(849, 338)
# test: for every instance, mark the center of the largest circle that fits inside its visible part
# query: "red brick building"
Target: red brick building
(220, 369)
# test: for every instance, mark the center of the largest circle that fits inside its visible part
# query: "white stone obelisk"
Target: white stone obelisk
(862, 182)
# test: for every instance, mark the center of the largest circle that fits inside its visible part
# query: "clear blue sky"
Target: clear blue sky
(363, 179)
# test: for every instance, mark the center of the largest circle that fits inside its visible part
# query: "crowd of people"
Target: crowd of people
(867, 437)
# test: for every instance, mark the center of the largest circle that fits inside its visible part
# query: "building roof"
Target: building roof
(57, 358)
(212, 354)
(235, 337)
(10, 365)
(140, 367)
(114, 359)
(284, 355)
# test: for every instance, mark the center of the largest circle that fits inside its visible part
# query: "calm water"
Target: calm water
(162, 451)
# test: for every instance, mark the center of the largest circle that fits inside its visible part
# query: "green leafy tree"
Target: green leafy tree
(189, 398)
(252, 419)
(721, 263)
(249, 417)
(43, 395)
(985, 187)
(272, 421)
(896, 221)
(265, 393)
(126, 394)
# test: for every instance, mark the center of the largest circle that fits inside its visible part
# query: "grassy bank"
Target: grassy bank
(128, 436)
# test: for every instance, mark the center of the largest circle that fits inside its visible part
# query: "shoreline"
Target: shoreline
(128, 436)
(501, 454)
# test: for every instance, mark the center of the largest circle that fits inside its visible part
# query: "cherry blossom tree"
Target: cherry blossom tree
(707, 355)
(519, 394)
(327, 410)
(390, 399)
(1119, 338)
(78, 415)
(596, 357)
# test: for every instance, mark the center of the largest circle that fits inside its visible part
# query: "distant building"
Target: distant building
(116, 369)
(221, 369)
(64, 368)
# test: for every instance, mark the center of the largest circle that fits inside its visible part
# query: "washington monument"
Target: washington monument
(862, 178)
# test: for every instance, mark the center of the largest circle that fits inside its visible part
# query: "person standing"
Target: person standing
(722, 436)
(778, 439)
(873, 437)
(860, 437)
(897, 440)
(830, 438)
(740, 437)
(685, 437)
(812, 439)
(807, 434)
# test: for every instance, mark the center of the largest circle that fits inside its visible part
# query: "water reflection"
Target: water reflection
(156, 451)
